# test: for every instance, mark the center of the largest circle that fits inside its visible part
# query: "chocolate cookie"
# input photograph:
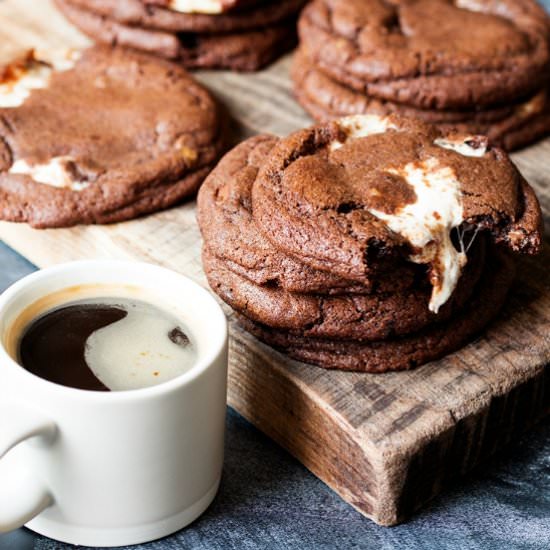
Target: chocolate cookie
(101, 136)
(149, 16)
(511, 127)
(363, 317)
(338, 196)
(225, 217)
(402, 352)
(431, 53)
(363, 198)
(242, 51)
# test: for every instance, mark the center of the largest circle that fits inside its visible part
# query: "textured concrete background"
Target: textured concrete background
(269, 500)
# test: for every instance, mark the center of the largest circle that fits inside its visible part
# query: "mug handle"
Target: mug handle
(22, 495)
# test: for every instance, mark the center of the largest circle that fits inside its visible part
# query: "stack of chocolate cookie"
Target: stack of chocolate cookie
(100, 136)
(365, 243)
(241, 35)
(474, 66)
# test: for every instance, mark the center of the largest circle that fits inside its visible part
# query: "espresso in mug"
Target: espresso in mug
(106, 343)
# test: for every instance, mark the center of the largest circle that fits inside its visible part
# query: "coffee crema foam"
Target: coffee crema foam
(102, 337)
(144, 348)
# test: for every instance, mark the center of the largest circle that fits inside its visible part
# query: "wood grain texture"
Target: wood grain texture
(386, 443)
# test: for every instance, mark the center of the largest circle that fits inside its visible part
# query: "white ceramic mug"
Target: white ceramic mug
(112, 468)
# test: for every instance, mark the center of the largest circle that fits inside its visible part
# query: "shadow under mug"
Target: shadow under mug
(112, 468)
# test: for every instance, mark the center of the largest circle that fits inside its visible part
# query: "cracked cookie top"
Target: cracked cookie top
(342, 195)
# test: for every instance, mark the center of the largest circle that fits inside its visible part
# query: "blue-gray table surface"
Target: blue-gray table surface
(269, 500)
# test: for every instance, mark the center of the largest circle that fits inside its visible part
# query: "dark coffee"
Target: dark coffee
(106, 344)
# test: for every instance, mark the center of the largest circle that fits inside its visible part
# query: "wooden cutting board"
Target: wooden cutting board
(386, 443)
